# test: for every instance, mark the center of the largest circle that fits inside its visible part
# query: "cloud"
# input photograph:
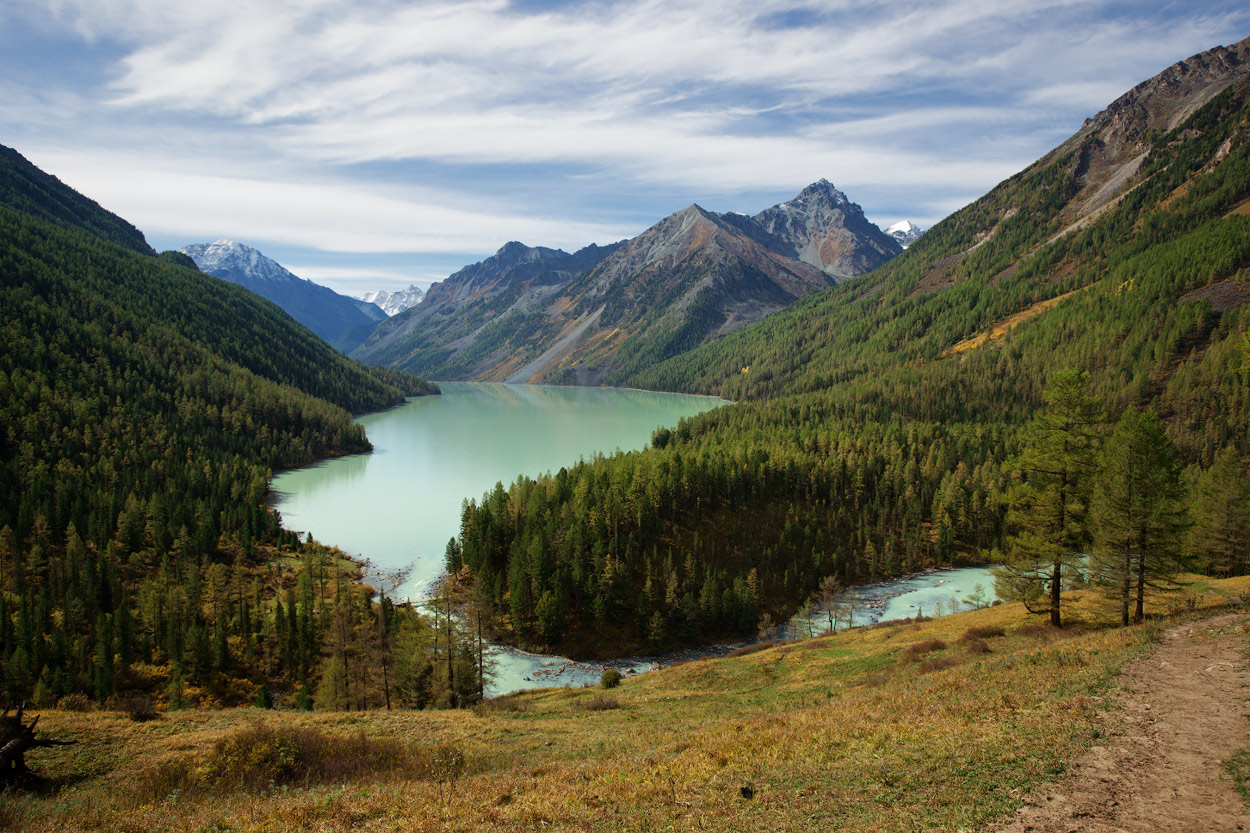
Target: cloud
(381, 125)
(322, 215)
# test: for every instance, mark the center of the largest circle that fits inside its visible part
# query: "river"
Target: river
(398, 506)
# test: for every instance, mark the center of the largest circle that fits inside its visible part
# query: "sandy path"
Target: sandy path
(1184, 712)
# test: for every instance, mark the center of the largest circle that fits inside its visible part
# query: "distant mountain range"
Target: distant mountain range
(532, 314)
(344, 322)
(393, 303)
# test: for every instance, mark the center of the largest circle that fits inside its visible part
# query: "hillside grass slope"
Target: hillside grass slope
(939, 725)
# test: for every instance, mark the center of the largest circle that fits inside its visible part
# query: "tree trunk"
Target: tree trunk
(15, 739)
(1055, 587)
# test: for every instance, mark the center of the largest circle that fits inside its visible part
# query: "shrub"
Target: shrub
(1041, 630)
(915, 651)
(982, 632)
(936, 664)
(753, 648)
(260, 757)
(76, 702)
(976, 646)
(599, 703)
(139, 708)
(503, 703)
(896, 623)
(610, 678)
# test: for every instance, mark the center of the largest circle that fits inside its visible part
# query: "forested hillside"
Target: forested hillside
(30, 190)
(878, 416)
(143, 406)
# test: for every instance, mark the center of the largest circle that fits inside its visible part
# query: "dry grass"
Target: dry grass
(600, 703)
(753, 648)
(982, 632)
(841, 736)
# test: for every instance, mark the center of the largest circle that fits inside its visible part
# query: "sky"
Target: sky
(369, 144)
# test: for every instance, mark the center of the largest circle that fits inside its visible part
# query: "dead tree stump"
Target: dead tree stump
(15, 738)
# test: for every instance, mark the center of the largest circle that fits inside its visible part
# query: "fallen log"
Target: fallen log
(16, 738)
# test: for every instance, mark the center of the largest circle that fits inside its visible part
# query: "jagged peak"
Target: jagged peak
(824, 187)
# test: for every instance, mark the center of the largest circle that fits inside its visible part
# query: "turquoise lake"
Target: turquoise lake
(398, 506)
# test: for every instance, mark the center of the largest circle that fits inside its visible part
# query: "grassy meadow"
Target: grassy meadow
(938, 725)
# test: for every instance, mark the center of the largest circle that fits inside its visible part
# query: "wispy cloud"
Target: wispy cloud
(440, 126)
(329, 215)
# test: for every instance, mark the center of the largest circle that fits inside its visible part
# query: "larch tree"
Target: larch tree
(1048, 498)
(1138, 512)
(1220, 536)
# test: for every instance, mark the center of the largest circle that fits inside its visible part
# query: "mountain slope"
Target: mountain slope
(531, 315)
(874, 419)
(473, 322)
(30, 190)
(691, 276)
(905, 232)
(336, 318)
(143, 408)
(1030, 239)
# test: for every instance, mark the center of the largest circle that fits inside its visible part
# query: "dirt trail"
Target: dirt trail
(1183, 714)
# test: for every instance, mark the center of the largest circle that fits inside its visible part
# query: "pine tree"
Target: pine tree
(1049, 500)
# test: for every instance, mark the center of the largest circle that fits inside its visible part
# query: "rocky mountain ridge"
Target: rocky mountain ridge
(532, 314)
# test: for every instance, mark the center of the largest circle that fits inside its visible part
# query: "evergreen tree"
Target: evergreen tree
(1048, 501)
(1138, 511)
(1220, 536)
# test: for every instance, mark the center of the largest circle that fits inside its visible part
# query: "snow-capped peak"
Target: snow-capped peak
(228, 256)
(393, 303)
(905, 232)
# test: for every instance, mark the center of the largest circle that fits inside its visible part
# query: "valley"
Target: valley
(743, 419)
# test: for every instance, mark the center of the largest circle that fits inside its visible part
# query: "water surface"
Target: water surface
(398, 506)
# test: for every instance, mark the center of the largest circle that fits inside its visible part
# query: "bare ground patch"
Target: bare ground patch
(1182, 715)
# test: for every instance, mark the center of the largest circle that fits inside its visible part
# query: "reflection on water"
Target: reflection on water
(399, 505)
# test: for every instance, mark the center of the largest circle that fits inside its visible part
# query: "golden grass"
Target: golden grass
(831, 733)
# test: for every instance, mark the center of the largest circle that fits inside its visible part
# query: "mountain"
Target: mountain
(541, 315)
(339, 320)
(371, 310)
(143, 408)
(829, 231)
(464, 326)
(876, 423)
(905, 232)
(27, 189)
(393, 303)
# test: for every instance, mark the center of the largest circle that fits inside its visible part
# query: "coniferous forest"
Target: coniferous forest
(881, 425)
(893, 423)
(143, 408)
